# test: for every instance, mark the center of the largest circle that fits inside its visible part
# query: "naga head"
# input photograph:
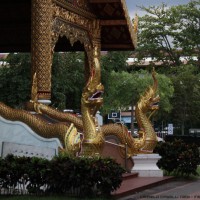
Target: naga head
(92, 94)
(148, 102)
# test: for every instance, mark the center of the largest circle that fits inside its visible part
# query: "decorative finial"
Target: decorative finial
(135, 29)
(135, 23)
(34, 89)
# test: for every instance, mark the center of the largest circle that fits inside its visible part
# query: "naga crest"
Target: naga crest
(149, 100)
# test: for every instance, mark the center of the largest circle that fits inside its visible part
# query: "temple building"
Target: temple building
(44, 26)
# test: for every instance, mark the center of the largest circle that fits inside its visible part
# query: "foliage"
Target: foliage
(15, 79)
(114, 61)
(198, 170)
(91, 175)
(155, 31)
(67, 80)
(178, 157)
(12, 171)
(166, 33)
(188, 20)
(80, 176)
(186, 98)
(37, 171)
(126, 92)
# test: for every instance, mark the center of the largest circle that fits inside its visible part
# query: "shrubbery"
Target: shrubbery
(178, 157)
(63, 175)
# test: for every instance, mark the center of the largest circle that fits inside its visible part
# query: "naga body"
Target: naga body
(66, 134)
(145, 108)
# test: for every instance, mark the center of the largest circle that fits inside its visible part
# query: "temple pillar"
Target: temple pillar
(41, 51)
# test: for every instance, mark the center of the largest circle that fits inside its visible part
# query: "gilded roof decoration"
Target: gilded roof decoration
(117, 32)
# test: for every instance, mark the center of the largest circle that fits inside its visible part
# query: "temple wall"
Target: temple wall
(21, 139)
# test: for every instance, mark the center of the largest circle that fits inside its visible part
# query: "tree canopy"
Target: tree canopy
(15, 79)
(186, 98)
(166, 33)
(123, 88)
(67, 80)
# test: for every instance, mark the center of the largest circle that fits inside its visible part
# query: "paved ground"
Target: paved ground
(179, 189)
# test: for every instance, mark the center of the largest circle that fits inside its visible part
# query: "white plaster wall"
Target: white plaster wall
(20, 133)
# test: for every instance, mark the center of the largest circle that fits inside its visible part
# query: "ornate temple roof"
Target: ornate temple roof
(117, 30)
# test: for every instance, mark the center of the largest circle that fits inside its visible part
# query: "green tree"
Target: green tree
(111, 62)
(157, 30)
(166, 33)
(188, 21)
(186, 99)
(114, 61)
(15, 79)
(67, 80)
(124, 90)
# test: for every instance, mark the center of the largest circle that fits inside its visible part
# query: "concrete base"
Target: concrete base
(145, 165)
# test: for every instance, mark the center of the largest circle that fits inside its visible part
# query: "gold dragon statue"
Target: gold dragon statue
(145, 108)
(75, 132)
(94, 135)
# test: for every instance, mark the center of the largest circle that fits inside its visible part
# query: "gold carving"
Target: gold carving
(145, 107)
(74, 34)
(73, 141)
(135, 29)
(83, 4)
(72, 17)
(34, 90)
(41, 46)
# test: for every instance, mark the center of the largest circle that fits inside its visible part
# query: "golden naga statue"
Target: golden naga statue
(84, 134)
(145, 108)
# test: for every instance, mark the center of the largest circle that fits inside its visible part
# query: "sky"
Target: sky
(132, 5)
